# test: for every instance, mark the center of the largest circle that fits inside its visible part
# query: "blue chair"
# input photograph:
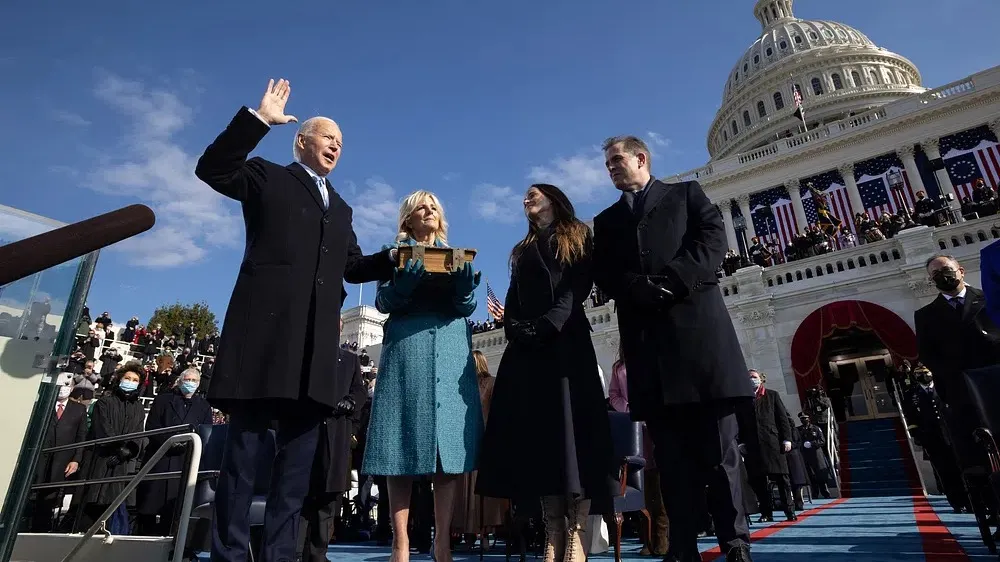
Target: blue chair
(626, 437)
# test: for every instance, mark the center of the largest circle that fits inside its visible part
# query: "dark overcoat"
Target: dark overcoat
(169, 408)
(114, 414)
(285, 307)
(797, 474)
(68, 429)
(331, 464)
(815, 455)
(773, 429)
(548, 431)
(686, 352)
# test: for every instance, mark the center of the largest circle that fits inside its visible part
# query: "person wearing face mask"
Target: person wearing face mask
(955, 334)
(180, 405)
(767, 459)
(68, 425)
(117, 412)
(924, 417)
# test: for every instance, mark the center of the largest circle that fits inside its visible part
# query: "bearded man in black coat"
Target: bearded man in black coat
(277, 358)
(656, 252)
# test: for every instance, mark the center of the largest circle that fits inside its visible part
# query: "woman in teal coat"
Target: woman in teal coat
(426, 413)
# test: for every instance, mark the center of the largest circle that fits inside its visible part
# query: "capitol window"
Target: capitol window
(783, 45)
(770, 51)
(813, 36)
(736, 130)
(756, 59)
(798, 39)
(761, 110)
(746, 118)
(874, 76)
(779, 102)
(817, 87)
(856, 77)
(838, 84)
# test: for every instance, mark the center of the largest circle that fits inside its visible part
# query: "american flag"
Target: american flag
(965, 167)
(800, 111)
(773, 217)
(840, 207)
(873, 184)
(493, 304)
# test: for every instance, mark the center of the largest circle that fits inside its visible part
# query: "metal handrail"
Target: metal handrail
(126, 437)
(180, 539)
(118, 479)
(898, 396)
(832, 453)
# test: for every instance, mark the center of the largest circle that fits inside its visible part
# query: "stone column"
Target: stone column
(910, 165)
(727, 218)
(847, 172)
(933, 151)
(744, 202)
(800, 212)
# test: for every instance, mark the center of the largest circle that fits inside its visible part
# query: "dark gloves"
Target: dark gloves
(345, 407)
(406, 280)
(122, 455)
(649, 291)
(466, 280)
(532, 333)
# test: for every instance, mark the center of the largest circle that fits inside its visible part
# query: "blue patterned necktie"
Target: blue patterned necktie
(323, 193)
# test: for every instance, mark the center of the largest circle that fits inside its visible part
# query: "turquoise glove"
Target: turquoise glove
(466, 280)
(406, 280)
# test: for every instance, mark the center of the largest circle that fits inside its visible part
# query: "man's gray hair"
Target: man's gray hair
(948, 257)
(305, 129)
(189, 371)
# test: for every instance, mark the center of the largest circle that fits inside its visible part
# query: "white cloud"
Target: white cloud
(70, 118)
(151, 166)
(451, 176)
(496, 203)
(658, 139)
(376, 212)
(579, 176)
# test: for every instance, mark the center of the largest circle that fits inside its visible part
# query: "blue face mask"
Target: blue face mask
(188, 387)
(128, 386)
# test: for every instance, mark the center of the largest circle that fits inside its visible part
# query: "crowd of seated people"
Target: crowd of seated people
(813, 241)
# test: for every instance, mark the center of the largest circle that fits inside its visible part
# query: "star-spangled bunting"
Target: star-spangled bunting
(773, 217)
(877, 196)
(970, 155)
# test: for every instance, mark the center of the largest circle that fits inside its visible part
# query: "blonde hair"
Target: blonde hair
(482, 367)
(410, 204)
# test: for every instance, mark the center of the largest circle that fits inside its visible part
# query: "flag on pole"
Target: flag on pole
(493, 304)
(800, 111)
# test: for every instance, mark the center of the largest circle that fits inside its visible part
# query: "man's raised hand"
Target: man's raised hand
(272, 105)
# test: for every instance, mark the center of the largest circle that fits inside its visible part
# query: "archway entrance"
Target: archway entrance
(849, 348)
(856, 375)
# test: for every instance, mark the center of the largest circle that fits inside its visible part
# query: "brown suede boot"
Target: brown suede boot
(576, 516)
(554, 515)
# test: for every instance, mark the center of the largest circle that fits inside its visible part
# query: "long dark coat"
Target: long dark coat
(797, 474)
(114, 414)
(773, 429)
(331, 465)
(687, 352)
(168, 409)
(815, 455)
(70, 428)
(285, 307)
(548, 431)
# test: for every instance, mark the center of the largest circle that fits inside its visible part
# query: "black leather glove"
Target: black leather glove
(644, 291)
(122, 455)
(532, 333)
(346, 406)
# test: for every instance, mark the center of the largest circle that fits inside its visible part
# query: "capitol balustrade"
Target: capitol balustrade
(866, 263)
(895, 110)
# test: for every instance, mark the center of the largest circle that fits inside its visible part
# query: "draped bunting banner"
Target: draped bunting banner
(807, 343)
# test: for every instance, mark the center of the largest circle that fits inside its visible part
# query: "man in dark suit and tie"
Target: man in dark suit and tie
(955, 334)
(656, 252)
(68, 425)
(277, 360)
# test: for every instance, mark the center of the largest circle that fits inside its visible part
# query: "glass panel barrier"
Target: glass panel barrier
(38, 326)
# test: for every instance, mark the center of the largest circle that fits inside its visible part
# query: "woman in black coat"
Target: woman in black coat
(176, 406)
(774, 440)
(117, 412)
(548, 434)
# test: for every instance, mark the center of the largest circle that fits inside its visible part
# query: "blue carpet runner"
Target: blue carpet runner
(876, 460)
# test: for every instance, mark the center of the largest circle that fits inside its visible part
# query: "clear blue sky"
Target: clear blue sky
(110, 103)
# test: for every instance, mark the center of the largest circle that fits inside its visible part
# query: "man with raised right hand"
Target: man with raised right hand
(277, 359)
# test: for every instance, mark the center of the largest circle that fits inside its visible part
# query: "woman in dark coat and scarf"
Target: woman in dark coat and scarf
(176, 406)
(117, 412)
(548, 434)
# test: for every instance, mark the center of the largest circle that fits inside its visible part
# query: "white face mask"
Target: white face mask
(755, 382)
(64, 392)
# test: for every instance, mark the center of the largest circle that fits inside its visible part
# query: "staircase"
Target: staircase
(876, 460)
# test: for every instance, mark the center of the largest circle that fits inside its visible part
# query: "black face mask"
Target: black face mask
(946, 280)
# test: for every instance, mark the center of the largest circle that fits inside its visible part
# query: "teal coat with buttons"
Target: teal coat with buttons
(426, 403)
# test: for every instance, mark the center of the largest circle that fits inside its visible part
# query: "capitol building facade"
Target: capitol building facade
(870, 136)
